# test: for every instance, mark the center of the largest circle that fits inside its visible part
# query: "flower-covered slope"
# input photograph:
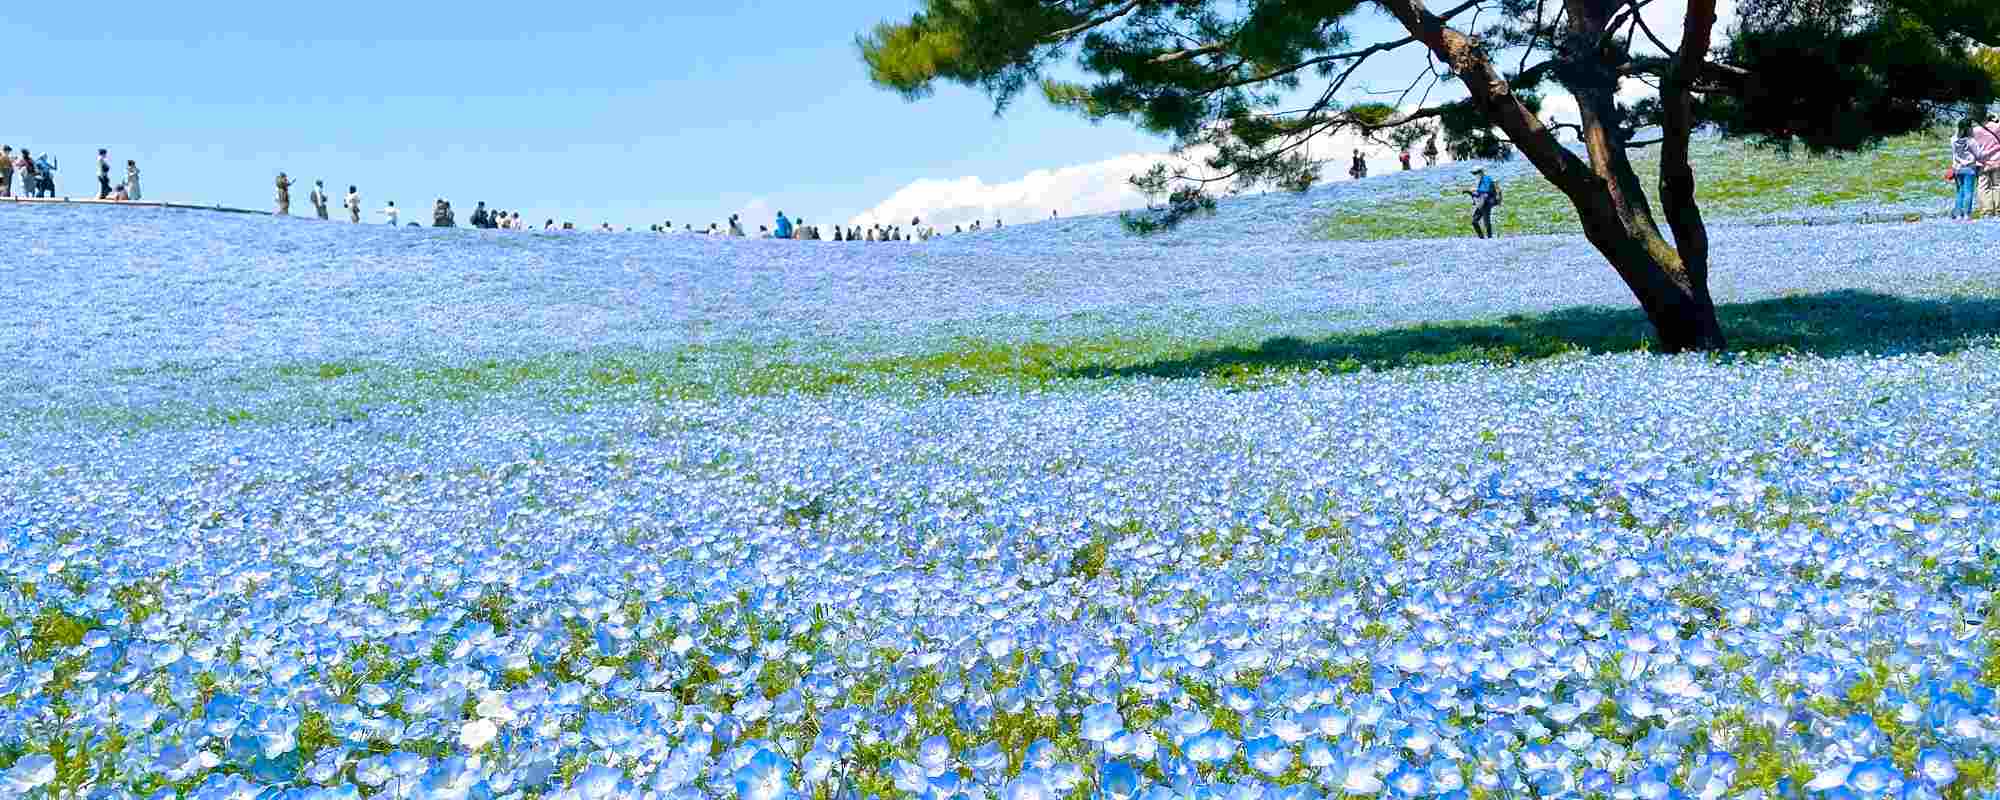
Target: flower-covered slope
(1616, 576)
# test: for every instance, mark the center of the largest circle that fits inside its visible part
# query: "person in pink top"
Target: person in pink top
(1986, 149)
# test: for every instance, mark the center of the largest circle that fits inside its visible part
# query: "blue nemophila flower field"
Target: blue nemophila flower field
(1618, 575)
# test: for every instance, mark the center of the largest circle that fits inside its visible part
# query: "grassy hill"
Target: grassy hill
(1738, 182)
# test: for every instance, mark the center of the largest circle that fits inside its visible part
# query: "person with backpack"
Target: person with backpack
(1487, 195)
(1405, 158)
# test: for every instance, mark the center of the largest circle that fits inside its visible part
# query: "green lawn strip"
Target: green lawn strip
(1735, 180)
(1828, 324)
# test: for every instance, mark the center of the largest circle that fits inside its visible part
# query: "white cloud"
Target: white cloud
(1093, 188)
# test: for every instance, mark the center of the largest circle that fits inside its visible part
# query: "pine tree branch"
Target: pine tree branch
(1108, 17)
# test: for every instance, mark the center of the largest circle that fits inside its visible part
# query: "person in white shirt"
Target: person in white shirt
(391, 213)
(353, 205)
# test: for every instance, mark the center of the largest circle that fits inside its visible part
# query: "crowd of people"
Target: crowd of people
(787, 228)
(1975, 169)
(443, 216)
(1975, 166)
(36, 175)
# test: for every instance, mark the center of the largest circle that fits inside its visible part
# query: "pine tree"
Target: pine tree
(1216, 73)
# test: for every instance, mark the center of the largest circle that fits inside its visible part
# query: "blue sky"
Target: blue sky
(625, 112)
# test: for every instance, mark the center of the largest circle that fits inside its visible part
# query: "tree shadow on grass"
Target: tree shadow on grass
(1829, 324)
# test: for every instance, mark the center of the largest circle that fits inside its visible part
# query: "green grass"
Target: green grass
(1828, 324)
(1734, 180)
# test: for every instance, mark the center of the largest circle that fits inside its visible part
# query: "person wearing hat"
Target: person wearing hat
(1487, 195)
(1986, 151)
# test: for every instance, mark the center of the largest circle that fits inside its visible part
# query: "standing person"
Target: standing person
(441, 214)
(25, 167)
(391, 213)
(1986, 150)
(284, 195)
(45, 176)
(1359, 169)
(479, 219)
(1487, 194)
(784, 227)
(6, 170)
(1431, 151)
(132, 179)
(103, 174)
(318, 198)
(514, 221)
(353, 205)
(1405, 158)
(735, 227)
(1964, 172)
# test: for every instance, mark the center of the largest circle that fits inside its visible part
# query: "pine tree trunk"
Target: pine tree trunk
(1676, 302)
(1671, 285)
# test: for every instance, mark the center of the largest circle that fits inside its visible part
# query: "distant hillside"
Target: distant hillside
(1739, 183)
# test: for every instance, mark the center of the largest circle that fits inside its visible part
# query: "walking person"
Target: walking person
(391, 213)
(284, 195)
(353, 205)
(1964, 172)
(1487, 195)
(132, 179)
(103, 174)
(6, 170)
(1405, 158)
(319, 199)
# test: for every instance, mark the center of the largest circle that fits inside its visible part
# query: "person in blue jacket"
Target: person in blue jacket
(1487, 195)
(45, 176)
(784, 226)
